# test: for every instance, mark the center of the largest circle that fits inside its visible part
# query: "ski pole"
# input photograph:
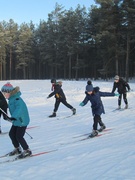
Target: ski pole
(6, 115)
(11, 121)
(29, 135)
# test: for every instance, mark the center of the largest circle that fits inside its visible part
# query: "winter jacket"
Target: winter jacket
(3, 102)
(58, 92)
(3, 105)
(18, 109)
(95, 99)
(121, 86)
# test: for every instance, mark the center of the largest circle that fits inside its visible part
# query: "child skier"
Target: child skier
(93, 95)
(60, 97)
(19, 118)
(122, 88)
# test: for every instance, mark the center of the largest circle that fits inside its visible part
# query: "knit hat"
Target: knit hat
(89, 88)
(89, 82)
(116, 77)
(7, 88)
(53, 80)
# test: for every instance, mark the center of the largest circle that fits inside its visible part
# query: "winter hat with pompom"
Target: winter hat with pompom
(89, 88)
(89, 82)
(7, 88)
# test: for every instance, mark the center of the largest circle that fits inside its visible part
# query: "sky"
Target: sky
(28, 10)
(108, 157)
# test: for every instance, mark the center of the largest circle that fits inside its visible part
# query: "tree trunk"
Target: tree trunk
(117, 64)
(24, 72)
(127, 60)
(10, 63)
(69, 72)
(76, 68)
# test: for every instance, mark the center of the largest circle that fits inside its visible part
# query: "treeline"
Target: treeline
(72, 44)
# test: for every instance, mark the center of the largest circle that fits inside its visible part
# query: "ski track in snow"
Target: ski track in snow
(111, 156)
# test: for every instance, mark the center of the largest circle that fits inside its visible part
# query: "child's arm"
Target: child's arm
(107, 94)
(85, 101)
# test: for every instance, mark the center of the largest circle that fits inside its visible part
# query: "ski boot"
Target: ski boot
(74, 111)
(102, 128)
(53, 115)
(15, 151)
(24, 154)
(93, 134)
(119, 107)
(126, 107)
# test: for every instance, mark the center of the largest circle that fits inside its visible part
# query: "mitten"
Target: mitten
(116, 94)
(81, 104)
(11, 118)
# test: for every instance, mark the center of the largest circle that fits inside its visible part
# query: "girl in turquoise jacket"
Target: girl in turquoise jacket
(19, 118)
(18, 109)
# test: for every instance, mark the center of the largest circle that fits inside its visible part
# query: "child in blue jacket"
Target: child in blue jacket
(94, 96)
(19, 118)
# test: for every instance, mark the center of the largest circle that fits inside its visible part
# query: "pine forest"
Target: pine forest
(93, 42)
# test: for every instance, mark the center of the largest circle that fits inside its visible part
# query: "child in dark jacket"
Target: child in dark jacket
(94, 96)
(60, 97)
(122, 87)
(3, 106)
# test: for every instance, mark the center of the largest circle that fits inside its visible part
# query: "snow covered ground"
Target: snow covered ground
(109, 157)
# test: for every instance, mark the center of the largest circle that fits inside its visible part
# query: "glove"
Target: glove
(81, 104)
(11, 118)
(116, 94)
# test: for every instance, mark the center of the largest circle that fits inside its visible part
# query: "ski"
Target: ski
(31, 127)
(45, 152)
(65, 117)
(119, 110)
(5, 155)
(33, 155)
(87, 134)
(116, 110)
(60, 117)
(86, 138)
(3, 133)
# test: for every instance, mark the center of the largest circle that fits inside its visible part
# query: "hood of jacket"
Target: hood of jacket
(15, 93)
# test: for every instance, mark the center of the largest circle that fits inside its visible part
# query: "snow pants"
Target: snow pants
(124, 98)
(16, 135)
(63, 101)
(97, 120)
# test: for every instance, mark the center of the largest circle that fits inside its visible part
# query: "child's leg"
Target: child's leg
(12, 135)
(119, 100)
(56, 105)
(20, 137)
(66, 104)
(96, 120)
(125, 98)
(100, 121)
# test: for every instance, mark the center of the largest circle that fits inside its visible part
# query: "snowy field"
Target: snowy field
(108, 157)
